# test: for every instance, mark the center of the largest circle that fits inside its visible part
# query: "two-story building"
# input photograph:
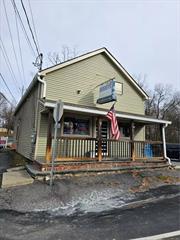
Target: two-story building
(84, 140)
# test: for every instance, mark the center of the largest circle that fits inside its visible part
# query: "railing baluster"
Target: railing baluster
(85, 148)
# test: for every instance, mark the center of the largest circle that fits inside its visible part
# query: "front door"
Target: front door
(104, 135)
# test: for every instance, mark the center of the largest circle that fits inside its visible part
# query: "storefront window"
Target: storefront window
(76, 126)
(124, 130)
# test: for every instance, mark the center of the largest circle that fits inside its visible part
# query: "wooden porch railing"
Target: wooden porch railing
(78, 148)
(113, 149)
(148, 149)
(75, 148)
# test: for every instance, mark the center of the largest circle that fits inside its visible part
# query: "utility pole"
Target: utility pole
(39, 61)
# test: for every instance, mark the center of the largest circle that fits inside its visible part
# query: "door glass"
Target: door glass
(104, 135)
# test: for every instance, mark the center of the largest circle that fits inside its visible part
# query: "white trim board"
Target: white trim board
(103, 113)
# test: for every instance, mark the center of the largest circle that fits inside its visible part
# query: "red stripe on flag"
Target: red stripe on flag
(111, 115)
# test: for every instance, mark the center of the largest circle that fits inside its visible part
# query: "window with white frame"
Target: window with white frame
(119, 88)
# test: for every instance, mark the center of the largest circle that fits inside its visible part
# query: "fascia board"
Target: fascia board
(104, 113)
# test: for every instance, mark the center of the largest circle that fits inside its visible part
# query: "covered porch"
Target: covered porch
(96, 150)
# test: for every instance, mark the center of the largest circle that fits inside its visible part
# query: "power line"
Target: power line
(22, 26)
(20, 51)
(9, 64)
(12, 39)
(2, 94)
(33, 23)
(7, 87)
(28, 22)
(4, 89)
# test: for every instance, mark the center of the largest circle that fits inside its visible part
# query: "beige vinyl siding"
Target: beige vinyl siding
(25, 117)
(139, 133)
(85, 76)
(42, 137)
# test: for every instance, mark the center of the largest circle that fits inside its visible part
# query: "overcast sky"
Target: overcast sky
(144, 36)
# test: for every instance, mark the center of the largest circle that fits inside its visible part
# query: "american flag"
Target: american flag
(111, 115)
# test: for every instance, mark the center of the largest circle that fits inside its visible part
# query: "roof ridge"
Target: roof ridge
(90, 52)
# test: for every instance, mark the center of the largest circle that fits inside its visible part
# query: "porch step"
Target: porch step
(62, 167)
(36, 173)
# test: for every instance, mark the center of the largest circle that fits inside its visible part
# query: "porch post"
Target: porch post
(132, 141)
(49, 138)
(99, 139)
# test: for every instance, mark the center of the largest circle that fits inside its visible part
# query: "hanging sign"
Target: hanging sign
(107, 92)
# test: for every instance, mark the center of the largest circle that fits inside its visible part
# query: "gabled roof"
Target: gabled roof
(91, 54)
(78, 59)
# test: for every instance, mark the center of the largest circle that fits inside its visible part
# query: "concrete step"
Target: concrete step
(16, 177)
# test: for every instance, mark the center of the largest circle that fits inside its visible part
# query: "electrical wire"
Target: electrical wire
(34, 25)
(2, 94)
(20, 51)
(8, 63)
(28, 22)
(23, 28)
(12, 42)
(7, 87)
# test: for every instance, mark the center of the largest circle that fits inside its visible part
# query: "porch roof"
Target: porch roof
(103, 112)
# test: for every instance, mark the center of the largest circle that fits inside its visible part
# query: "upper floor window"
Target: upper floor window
(119, 88)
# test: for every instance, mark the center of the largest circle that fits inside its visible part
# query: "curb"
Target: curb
(160, 236)
(15, 169)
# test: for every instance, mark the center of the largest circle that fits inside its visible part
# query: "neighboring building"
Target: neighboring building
(84, 132)
(6, 138)
(4, 132)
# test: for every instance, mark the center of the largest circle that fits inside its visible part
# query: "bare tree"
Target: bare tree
(67, 53)
(3, 100)
(164, 104)
(54, 58)
(162, 101)
(6, 113)
(141, 79)
(8, 117)
(3, 104)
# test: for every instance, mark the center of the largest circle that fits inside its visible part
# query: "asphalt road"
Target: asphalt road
(5, 161)
(149, 219)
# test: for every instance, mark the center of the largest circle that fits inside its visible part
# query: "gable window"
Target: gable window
(76, 126)
(119, 88)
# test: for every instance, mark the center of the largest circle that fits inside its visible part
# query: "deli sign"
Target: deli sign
(107, 92)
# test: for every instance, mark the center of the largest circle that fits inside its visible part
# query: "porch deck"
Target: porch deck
(98, 155)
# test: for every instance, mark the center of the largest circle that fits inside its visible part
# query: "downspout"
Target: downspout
(40, 79)
(43, 94)
(164, 144)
